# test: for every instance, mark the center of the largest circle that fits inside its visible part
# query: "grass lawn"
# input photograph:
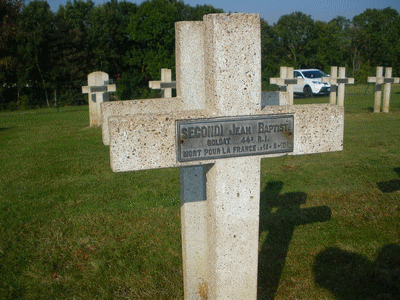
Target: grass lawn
(70, 228)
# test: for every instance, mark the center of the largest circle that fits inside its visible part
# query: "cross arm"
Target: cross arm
(381, 80)
(148, 141)
(156, 85)
(377, 80)
(85, 89)
(286, 81)
(132, 107)
(99, 89)
(335, 80)
(111, 88)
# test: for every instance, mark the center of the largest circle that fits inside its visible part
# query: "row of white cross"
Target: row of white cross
(99, 88)
(338, 82)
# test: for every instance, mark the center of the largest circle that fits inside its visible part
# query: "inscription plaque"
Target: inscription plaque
(96, 89)
(205, 139)
(168, 85)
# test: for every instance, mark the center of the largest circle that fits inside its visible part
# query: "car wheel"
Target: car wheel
(307, 92)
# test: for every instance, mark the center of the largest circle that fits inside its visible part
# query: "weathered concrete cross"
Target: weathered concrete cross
(98, 89)
(337, 85)
(286, 81)
(218, 144)
(166, 85)
(380, 80)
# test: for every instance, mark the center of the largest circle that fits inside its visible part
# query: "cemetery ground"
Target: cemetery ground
(70, 228)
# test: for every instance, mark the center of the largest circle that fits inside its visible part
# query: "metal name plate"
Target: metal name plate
(206, 139)
(97, 89)
(168, 85)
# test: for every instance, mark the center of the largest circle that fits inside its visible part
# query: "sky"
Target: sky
(272, 10)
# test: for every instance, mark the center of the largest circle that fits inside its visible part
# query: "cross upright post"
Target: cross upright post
(332, 81)
(388, 86)
(166, 84)
(220, 142)
(378, 79)
(99, 89)
(286, 81)
(342, 81)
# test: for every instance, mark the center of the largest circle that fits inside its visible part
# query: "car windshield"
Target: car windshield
(314, 74)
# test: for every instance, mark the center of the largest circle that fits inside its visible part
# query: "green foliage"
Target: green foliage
(54, 52)
(379, 31)
(294, 33)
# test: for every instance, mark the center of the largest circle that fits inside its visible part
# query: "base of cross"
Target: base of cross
(216, 131)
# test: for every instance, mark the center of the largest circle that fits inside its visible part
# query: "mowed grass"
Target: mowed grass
(70, 228)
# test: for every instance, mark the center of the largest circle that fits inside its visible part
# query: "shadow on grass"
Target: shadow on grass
(351, 276)
(279, 215)
(391, 185)
(6, 128)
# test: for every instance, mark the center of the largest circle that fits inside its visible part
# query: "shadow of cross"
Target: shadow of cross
(216, 130)
(391, 185)
(280, 215)
(350, 275)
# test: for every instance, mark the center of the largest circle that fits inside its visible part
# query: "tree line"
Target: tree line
(45, 56)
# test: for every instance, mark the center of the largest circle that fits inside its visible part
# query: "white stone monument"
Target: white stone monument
(166, 84)
(99, 89)
(216, 133)
(286, 81)
(379, 80)
(337, 85)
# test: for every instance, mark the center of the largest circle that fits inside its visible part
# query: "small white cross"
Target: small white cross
(166, 85)
(380, 80)
(286, 81)
(98, 89)
(337, 83)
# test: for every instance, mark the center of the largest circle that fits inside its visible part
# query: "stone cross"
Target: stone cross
(166, 85)
(98, 89)
(216, 133)
(286, 81)
(337, 85)
(380, 80)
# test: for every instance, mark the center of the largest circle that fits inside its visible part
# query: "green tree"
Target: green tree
(152, 43)
(10, 31)
(295, 34)
(196, 13)
(152, 31)
(38, 26)
(377, 35)
(330, 44)
(71, 51)
(109, 37)
(270, 57)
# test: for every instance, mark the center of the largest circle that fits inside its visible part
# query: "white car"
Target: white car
(313, 84)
